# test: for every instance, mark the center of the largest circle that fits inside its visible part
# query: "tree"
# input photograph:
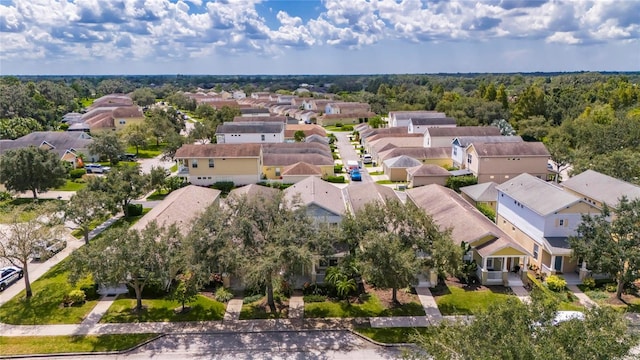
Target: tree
(158, 123)
(84, 207)
(173, 142)
(143, 96)
(16, 127)
(559, 146)
(515, 330)
(501, 96)
(157, 178)
(136, 135)
(610, 243)
(530, 103)
(133, 257)
(20, 240)
(107, 145)
(299, 136)
(376, 122)
(121, 185)
(31, 168)
(186, 291)
(505, 128)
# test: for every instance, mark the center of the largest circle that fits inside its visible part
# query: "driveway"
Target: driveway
(147, 164)
(347, 152)
(266, 345)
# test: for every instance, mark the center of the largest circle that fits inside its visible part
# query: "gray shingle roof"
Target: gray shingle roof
(481, 192)
(520, 149)
(250, 128)
(538, 195)
(290, 159)
(402, 161)
(433, 121)
(358, 195)
(465, 141)
(464, 131)
(61, 141)
(416, 153)
(404, 115)
(428, 170)
(218, 151)
(601, 187)
(314, 190)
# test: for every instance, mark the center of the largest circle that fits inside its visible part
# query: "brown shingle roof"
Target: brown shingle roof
(427, 170)
(218, 151)
(358, 195)
(297, 148)
(282, 119)
(314, 190)
(361, 115)
(254, 190)
(416, 152)
(127, 112)
(510, 149)
(308, 130)
(301, 168)
(290, 159)
(464, 131)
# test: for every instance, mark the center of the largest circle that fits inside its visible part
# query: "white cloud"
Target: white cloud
(563, 38)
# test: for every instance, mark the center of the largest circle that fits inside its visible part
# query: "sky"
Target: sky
(291, 37)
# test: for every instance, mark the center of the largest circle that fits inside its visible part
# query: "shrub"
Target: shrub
(90, 291)
(338, 168)
(336, 179)
(75, 297)
(487, 211)
(134, 209)
(223, 295)
(224, 186)
(339, 125)
(4, 195)
(589, 282)
(335, 156)
(611, 287)
(556, 283)
(314, 298)
(456, 182)
(347, 128)
(77, 173)
(252, 298)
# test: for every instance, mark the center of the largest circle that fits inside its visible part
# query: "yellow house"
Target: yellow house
(210, 163)
(439, 156)
(274, 164)
(499, 162)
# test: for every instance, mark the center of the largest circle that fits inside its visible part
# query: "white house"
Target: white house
(250, 132)
(402, 118)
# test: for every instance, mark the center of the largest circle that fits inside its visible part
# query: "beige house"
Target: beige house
(210, 163)
(300, 171)
(443, 136)
(273, 164)
(427, 174)
(358, 195)
(541, 217)
(396, 168)
(435, 156)
(388, 143)
(500, 259)
(599, 189)
(499, 162)
(345, 119)
(307, 129)
(484, 193)
(324, 201)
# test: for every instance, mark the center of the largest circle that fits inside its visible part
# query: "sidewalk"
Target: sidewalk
(582, 297)
(522, 294)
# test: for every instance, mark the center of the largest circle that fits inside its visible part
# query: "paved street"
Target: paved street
(270, 345)
(348, 152)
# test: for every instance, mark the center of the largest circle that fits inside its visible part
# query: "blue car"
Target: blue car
(355, 175)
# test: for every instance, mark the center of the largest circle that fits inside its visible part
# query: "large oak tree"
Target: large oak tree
(31, 169)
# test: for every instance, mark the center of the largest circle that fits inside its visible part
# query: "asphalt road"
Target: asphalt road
(313, 345)
(347, 152)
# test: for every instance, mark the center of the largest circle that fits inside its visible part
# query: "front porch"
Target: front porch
(504, 270)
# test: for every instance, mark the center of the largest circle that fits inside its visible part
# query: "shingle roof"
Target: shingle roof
(402, 161)
(481, 192)
(308, 129)
(427, 170)
(218, 150)
(358, 195)
(301, 168)
(511, 149)
(297, 148)
(254, 190)
(416, 114)
(416, 153)
(254, 111)
(250, 128)
(349, 116)
(465, 141)
(467, 224)
(382, 136)
(392, 130)
(538, 195)
(601, 187)
(464, 131)
(61, 141)
(314, 190)
(290, 159)
(317, 139)
(182, 207)
(377, 145)
(244, 119)
(432, 121)
(127, 112)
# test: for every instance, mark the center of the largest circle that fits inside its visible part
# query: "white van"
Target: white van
(352, 164)
(367, 159)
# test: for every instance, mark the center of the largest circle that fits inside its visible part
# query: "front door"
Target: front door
(557, 266)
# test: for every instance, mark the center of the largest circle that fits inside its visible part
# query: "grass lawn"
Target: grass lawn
(376, 172)
(335, 128)
(71, 185)
(387, 182)
(45, 306)
(26, 345)
(22, 206)
(260, 310)
(394, 335)
(174, 168)
(458, 301)
(149, 152)
(369, 307)
(77, 233)
(157, 196)
(157, 310)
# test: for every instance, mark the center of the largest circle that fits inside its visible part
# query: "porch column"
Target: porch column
(584, 272)
(484, 264)
(313, 271)
(553, 264)
(504, 263)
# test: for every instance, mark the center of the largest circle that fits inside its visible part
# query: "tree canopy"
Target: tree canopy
(31, 169)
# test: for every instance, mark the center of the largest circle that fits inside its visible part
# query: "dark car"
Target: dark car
(9, 275)
(127, 157)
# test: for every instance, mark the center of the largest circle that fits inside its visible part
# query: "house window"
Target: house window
(262, 137)
(210, 163)
(561, 222)
(277, 171)
(469, 158)
(536, 249)
(122, 122)
(455, 149)
(194, 163)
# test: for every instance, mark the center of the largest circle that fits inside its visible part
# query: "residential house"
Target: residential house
(254, 111)
(485, 194)
(434, 156)
(260, 95)
(308, 130)
(600, 189)
(349, 118)
(347, 108)
(250, 132)
(300, 171)
(403, 118)
(69, 146)
(323, 201)
(124, 116)
(368, 132)
(541, 216)
(444, 136)
(427, 174)
(358, 195)
(419, 125)
(500, 259)
(260, 118)
(460, 144)
(380, 145)
(273, 164)
(317, 139)
(500, 162)
(396, 168)
(368, 141)
(210, 163)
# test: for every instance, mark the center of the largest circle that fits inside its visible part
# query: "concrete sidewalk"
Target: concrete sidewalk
(582, 297)
(234, 307)
(522, 294)
(296, 307)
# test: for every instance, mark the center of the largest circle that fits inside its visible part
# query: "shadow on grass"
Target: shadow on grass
(158, 310)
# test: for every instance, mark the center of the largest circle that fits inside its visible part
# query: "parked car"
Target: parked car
(46, 249)
(367, 159)
(127, 157)
(9, 275)
(355, 175)
(96, 169)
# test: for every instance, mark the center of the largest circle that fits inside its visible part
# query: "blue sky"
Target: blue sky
(46, 37)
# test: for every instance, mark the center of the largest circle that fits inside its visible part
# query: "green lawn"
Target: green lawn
(151, 151)
(387, 182)
(376, 173)
(77, 233)
(458, 301)
(26, 345)
(203, 309)
(371, 307)
(335, 128)
(71, 185)
(256, 310)
(22, 206)
(45, 306)
(602, 298)
(157, 196)
(394, 335)
(174, 168)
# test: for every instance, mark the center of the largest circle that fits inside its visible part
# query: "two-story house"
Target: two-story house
(599, 189)
(541, 216)
(402, 118)
(210, 163)
(460, 144)
(250, 132)
(499, 162)
(419, 125)
(347, 108)
(444, 136)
